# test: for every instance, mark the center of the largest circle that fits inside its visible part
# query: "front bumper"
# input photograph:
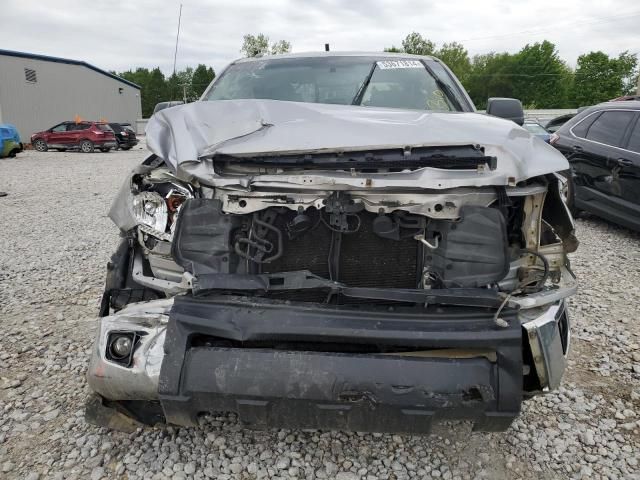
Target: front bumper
(303, 366)
(127, 142)
(105, 143)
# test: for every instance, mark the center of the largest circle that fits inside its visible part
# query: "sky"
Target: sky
(120, 34)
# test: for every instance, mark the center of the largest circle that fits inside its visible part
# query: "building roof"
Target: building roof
(47, 58)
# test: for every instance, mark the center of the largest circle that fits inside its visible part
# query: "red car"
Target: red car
(84, 136)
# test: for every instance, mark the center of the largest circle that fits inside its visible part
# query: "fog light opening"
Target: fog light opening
(120, 347)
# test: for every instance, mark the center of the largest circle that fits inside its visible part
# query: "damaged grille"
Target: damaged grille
(374, 257)
(363, 259)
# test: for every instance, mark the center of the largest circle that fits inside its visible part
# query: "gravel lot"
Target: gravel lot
(55, 240)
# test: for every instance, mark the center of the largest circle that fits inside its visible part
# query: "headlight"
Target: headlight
(150, 209)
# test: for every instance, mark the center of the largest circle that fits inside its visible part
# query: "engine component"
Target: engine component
(341, 208)
(203, 237)
(472, 252)
(385, 227)
(299, 225)
(258, 248)
(399, 225)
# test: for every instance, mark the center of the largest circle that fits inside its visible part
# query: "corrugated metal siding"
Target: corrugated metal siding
(61, 92)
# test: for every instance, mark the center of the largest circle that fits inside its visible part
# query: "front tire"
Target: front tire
(86, 146)
(40, 145)
(104, 150)
(125, 148)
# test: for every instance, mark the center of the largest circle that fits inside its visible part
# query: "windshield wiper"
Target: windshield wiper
(360, 93)
(444, 87)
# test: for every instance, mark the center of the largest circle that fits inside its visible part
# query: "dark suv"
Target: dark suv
(125, 135)
(602, 144)
(84, 136)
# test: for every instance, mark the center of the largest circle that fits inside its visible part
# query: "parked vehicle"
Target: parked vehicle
(602, 144)
(538, 130)
(10, 143)
(125, 135)
(335, 241)
(626, 98)
(162, 105)
(555, 123)
(83, 136)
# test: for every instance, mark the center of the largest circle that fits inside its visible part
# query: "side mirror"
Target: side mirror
(507, 108)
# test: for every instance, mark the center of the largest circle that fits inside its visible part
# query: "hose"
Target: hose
(545, 276)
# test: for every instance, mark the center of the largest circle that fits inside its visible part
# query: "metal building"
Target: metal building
(38, 91)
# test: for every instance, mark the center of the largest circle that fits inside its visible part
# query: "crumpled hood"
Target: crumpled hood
(185, 136)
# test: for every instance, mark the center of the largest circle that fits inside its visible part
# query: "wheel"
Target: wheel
(567, 192)
(86, 146)
(40, 145)
(125, 148)
(105, 150)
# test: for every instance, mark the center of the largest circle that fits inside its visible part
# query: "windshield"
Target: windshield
(367, 81)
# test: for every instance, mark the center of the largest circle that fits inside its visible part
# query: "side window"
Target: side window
(581, 129)
(609, 128)
(634, 140)
(72, 127)
(60, 128)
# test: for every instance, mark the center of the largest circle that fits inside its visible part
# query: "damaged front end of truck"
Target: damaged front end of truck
(320, 266)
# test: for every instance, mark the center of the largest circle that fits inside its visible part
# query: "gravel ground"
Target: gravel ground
(55, 240)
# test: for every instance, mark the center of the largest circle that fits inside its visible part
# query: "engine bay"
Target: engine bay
(508, 241)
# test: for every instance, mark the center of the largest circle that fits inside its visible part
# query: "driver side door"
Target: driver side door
(57, 135)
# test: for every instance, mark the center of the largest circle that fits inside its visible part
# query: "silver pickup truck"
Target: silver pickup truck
(339, 241)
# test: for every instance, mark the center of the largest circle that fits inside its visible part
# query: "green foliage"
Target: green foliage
(202, 77)
(490, 77)
(456, 57)
(155, 87)
(254, 45)
(540, 77)
(536, 74)
(599, 77)
(415, 44)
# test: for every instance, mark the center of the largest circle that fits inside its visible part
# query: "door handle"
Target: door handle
(623, 162)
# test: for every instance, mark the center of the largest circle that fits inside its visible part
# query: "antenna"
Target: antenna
(175, 55)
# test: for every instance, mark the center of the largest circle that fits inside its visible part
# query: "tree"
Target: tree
(416, 45)
(599, 77)
(393, 49)
(154, 92)
(153, 88)
(490, 76)
(281, 46)
(202, 77)
(456, 57)
(254, 45)
(628, 68)
(541, 79)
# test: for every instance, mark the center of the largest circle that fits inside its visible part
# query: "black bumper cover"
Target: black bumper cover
(269, 385)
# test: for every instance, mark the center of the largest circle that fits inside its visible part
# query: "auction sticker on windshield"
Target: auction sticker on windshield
(390, 64)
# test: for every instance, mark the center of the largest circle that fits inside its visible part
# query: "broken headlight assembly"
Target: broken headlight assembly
(150, 209)
(155, 209)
